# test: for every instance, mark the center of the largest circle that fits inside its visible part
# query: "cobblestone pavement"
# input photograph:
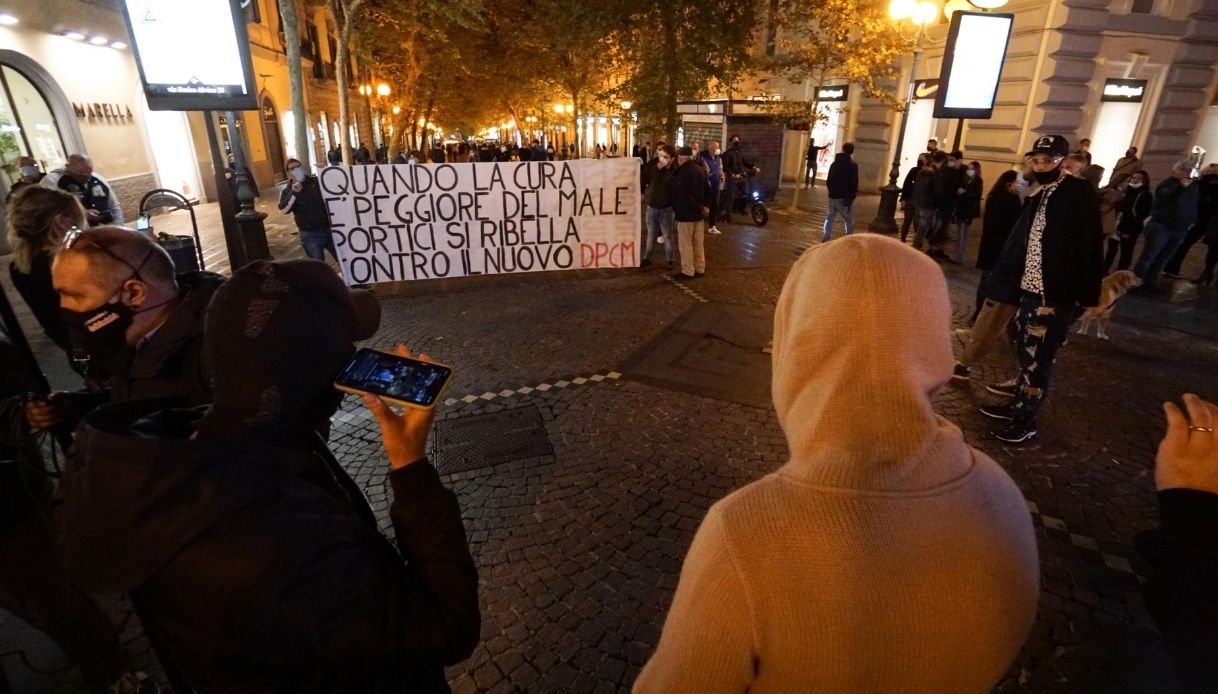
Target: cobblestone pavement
(580, 545)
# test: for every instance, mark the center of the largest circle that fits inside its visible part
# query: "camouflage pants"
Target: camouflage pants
(1042, 330)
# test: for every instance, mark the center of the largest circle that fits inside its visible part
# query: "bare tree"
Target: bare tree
(300, 119)
(344, 13)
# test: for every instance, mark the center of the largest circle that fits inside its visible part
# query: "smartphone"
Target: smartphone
(402, 380)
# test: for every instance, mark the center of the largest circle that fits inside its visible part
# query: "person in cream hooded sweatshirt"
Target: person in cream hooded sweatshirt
(887, 555)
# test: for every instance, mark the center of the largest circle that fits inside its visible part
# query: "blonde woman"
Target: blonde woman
(38, 219)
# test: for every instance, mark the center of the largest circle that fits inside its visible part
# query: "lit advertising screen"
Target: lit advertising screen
(972, 64)
(192, 56)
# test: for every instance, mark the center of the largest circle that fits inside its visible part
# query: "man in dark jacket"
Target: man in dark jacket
(736, 169)
(302, 197)
(658, 177)
(244, 575)
(690, 204)
(925, 199)
(909, 210)
(949, 178)
(1206, 185)
(842, 185)
(1057, 275)
(138, 324)
(1172, 214)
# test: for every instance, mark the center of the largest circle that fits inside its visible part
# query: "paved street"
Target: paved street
(594, 417)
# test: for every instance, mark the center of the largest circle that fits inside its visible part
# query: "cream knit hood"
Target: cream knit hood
(861, 345)
(887, 555)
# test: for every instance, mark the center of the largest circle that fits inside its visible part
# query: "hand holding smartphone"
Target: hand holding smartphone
(415, 383)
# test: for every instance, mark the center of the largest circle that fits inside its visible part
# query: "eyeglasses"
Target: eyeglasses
(77, 236)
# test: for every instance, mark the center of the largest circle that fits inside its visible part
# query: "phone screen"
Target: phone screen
(398, 378)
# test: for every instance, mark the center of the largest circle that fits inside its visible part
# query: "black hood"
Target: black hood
(137, 489)
(841, 156)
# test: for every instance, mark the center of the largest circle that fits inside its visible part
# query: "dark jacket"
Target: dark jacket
(171, 364)
(1071, 248)
(1207, 207)
(843, 180)
(1133, 210)
(907, 186)
(734, 162)
(1001, 212)
(658, 184)
(38, 291)
(24, 488)
(246, 578)
(1181, 592)
(307, 206)
(923, 192)
(691, 192)
(1175, 205)
(968, 203)
(947, 182)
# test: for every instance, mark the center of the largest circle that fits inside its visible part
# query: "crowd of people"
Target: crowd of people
(200, 482)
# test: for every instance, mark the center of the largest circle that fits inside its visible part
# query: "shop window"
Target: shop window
(274, 141)
(26, 126)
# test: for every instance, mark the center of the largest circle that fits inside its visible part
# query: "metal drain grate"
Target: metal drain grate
(484, 440)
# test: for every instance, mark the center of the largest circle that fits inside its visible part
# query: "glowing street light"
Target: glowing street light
(626, 105)
(382, 89)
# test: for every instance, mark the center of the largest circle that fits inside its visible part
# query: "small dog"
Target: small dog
(1114, 287)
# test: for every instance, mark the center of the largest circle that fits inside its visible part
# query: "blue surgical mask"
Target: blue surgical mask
(299, 174)
(29, 171)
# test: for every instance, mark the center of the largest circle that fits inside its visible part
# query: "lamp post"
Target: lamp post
(919, 13)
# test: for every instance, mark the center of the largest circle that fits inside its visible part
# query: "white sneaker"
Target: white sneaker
(713, 230)
(660, 240)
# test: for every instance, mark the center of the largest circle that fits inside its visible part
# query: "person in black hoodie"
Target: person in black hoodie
(246, 576)
(1052, 271)
(659, 175)
(1181, 591)
(302, 197)
(1132, 211)
(1002, 207)
(690, 205)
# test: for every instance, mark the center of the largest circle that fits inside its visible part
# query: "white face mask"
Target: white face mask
(715, 152)
(1135, 184)
(414, 161)
(29, 171)
(970, 173)
(299, 174)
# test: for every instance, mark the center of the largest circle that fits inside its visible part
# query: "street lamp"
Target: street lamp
(920, 13)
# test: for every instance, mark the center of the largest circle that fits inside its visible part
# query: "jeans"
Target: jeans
(738, 195)
(810, 173)
(846, 210)
(907, 219)
(1161, 243)
(660, 219)
(317, 242)
(962, 228)
(1195, 233)
(927, 219)
(692, 237)
(1043, 329)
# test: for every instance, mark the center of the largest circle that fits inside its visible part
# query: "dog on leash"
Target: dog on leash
(1114, 287)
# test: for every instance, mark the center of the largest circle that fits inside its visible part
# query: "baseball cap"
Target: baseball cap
(1053, 145)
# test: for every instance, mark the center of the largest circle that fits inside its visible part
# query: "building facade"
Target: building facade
(1122, 73)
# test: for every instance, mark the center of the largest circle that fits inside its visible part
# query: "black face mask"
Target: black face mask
(101, 332)
(1047, 177)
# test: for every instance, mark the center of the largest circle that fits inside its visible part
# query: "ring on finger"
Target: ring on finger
(1208, 430)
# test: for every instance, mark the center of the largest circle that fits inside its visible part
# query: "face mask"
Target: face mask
(970, 173)
(102, 332)
(1047, 177)
(715, 152)
(1135, 184)
(299, 174)
(735, 143)
(29, 171)
(413, 160)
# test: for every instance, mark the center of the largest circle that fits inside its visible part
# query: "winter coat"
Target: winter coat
(658, 183)
(1001, 212)
(843, 180)
(923, 192)
(23, 490)
(247, 578)
(947, 182)
(307, 207)
(968, 203)
(1175, 205)
(1132, 211)
(886, 555)
(907, 186)
(1072, 248)
(690, 192)
(1207, 207)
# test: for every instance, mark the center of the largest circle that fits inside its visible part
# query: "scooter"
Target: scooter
(753, 203)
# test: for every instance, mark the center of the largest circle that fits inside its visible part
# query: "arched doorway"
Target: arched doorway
(27, 126)
(274, 142)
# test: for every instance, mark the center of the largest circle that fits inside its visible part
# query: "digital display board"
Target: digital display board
(192, 56)
(972, 64)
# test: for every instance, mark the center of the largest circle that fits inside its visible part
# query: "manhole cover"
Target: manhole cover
(483, 440)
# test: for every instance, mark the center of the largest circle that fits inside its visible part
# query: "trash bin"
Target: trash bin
(181, 250)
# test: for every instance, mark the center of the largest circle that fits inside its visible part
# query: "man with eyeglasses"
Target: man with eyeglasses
(1051, 268)
(302, 197)
(138, 324)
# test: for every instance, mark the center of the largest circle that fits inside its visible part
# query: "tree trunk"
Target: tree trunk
(300, 119)
(431, 103)
(577, 138)
(344, 101)
(667, 22)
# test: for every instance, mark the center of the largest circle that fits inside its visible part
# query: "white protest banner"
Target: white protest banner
(426, 221)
